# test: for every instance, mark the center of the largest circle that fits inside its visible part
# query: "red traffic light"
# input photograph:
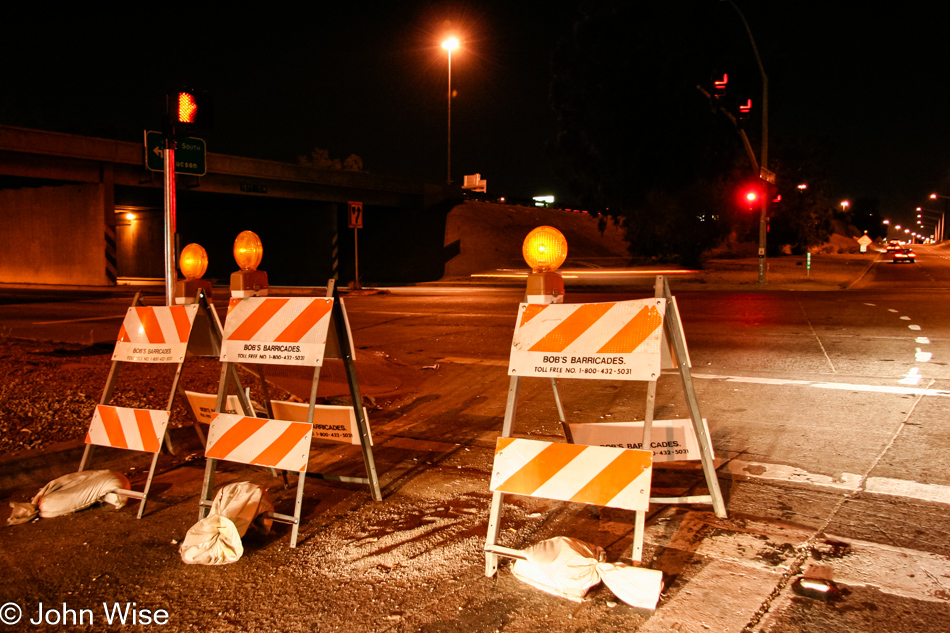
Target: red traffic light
(750, 196)
(190, 109)
(719, 85)
(745, 109)
(187, 108)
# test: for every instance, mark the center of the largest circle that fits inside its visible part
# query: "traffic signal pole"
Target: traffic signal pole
(168, 157)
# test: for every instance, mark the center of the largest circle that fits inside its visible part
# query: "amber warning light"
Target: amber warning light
(193, 263)
(248, 253)
(544, 250)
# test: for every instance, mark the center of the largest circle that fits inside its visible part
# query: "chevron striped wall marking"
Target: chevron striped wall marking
(133, 429)
(155, 334)
(277, 331)
(618, 340)
(601, 476)
(281, 444)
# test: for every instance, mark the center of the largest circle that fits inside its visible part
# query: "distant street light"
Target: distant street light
(450, 45)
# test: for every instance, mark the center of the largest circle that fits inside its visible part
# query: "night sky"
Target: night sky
(369, 78)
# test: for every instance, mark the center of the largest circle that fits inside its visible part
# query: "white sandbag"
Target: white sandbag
(216, 539)
(242, 502)
(637, 586)
(561, 566)
(568, 568)
(21, 513)
(77, 491)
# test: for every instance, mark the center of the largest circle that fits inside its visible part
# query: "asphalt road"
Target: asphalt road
(827, 414)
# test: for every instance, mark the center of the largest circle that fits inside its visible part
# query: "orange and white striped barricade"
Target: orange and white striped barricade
(296, 331)
(601, 476)
(157, 334)
(619, 340)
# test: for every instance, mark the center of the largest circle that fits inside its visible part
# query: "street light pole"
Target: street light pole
(449, 45)
(764, 155)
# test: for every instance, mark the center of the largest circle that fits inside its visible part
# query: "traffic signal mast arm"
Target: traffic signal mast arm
(745, 139)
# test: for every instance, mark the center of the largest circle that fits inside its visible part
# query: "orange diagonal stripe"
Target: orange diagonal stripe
(609, 482)
(634, 332)
(123, 335)
(147, 431)
(280, 447)
(571, 327)
(234, 437)
(530, 311)
(257, 319)
(112, 426)
(502, 443)
(149, 323)
(304, 322)
(182, 322)
(536, 472)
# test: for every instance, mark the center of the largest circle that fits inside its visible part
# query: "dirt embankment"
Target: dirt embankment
(489, 237)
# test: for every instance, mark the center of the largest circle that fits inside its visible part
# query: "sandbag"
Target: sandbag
(77, 491)
(568, 568)
(216, 539)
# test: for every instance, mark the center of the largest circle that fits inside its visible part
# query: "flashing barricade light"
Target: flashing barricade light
(193, 263)
(190, 109)
(544, 250)
(248, 252)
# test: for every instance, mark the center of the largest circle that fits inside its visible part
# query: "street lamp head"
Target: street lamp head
(933, 196)
(450, 44)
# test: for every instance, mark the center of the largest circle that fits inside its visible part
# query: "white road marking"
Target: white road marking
(923, 340)
(103, 318)
(912, 378)
(922, 357)
(845, 482)
(844, 386)
(913, 327)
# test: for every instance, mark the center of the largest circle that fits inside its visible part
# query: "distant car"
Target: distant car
(903, 255)
(894, 245)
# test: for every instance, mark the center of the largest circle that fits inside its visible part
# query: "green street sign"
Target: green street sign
(190, 156)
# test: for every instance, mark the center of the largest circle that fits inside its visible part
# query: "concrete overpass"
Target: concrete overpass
(79, 210)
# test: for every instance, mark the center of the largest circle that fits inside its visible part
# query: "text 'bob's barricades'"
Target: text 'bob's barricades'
(298, 331)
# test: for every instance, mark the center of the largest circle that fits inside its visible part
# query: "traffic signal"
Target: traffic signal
(188, 109)
(719, 86)
(745, 109)
(750, 196)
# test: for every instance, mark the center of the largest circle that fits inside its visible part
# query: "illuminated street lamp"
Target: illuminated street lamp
(844, 205)
(450, 45)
